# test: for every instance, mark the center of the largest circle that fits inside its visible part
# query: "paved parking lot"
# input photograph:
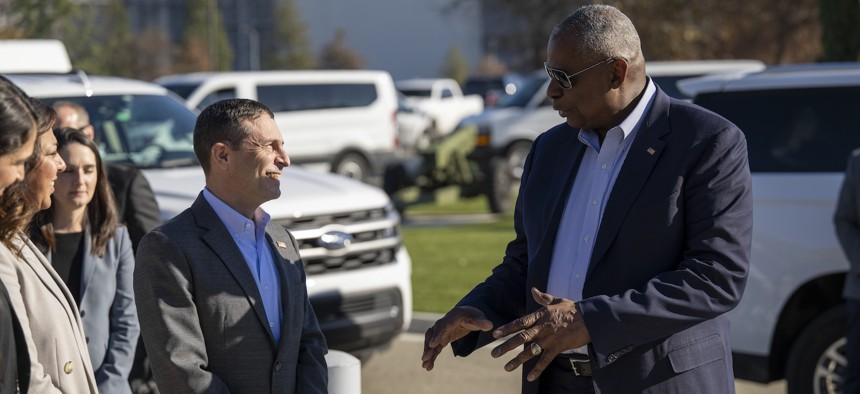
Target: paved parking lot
(398, 370)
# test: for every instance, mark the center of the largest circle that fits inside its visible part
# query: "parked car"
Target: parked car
(348, 232)
(492, 87)
(507, 130)
(342, 121)
(414, 127)
(442, 100)
(801, 125)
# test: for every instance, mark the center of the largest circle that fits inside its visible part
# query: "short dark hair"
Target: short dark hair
(17, 117)
(225, 121)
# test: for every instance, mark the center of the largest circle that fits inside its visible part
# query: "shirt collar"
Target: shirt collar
(631, 122)
(235, 222)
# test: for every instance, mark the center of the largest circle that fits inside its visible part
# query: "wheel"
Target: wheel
(352, 165)
(497, 186)
(516, 158)
(817, 362)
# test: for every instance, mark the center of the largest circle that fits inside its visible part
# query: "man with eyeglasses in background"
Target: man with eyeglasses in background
(135, 204)
(633, 229)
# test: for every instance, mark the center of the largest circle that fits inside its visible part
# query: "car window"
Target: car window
(284, 98)
(793, 130)
(148, 131)
(668, 84)
(182, 89)
(415, 92)
(223, 94)
(447, 93)
(524, 94)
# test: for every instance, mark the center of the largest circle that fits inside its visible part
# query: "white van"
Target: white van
(342, 121)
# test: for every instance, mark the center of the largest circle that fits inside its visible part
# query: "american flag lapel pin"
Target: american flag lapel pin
(281, 244)
(651, 151)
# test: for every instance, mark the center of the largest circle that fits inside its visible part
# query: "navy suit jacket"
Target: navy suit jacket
(670, 258)
(202, 317)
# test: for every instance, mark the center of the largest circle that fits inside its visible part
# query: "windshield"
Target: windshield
(182, 89)
(524, 94)
(149, 131)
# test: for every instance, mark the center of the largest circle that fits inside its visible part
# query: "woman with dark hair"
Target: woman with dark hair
(59, 360)
(81, 236)
(17, 139)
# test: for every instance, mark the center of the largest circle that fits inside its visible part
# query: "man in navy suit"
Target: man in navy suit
(633, 230)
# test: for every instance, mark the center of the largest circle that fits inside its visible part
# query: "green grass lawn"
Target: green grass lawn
(447, 262)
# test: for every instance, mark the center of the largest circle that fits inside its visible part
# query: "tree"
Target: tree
(775, 32)
(116, 53)
(456, 66)
(154, 54)
(37, 18)
(840, 30)
(336, 56)
(290, 50)
(205, 46)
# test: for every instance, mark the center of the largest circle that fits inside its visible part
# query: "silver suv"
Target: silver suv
(801, 123)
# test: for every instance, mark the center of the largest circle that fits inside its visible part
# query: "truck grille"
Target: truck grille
(346, 241)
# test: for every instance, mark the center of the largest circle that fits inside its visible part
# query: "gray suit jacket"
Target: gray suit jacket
(202, 317)
(59, 361)
(847, 220)
(108, 311)
(670, 258)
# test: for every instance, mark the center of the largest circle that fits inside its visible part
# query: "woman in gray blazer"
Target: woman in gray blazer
(91, 251)
(46, 310)
(17, 139)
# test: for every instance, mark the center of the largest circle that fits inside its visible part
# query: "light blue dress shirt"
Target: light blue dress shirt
(583, 210)
(250, 237)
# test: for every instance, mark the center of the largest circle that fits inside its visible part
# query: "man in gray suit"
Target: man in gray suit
(220, 290)
(847, 220)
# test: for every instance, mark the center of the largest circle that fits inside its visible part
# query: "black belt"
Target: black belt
(578, 364)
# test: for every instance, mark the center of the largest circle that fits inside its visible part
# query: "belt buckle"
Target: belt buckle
(575, 368)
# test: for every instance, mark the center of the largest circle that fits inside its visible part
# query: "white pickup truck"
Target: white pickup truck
(442, 100)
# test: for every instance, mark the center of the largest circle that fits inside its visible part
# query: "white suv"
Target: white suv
(338, 120)
(801, 123)
(348, 232)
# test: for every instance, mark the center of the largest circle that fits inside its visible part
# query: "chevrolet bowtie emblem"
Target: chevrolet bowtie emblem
(281, 244)
(651, 151)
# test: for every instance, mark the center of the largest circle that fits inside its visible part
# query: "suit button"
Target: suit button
(68, 368)
(277, 366)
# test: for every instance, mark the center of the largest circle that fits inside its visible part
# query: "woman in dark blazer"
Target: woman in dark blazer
(91, 251)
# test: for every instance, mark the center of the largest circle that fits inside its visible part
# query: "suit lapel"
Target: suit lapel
(88, 265)
(637, 167)
(568, 156)
(281, 260)
(215, 234)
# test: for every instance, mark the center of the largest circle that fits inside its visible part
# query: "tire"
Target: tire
(352, 165)
(816, 363)
(497, 186)
(516, 158)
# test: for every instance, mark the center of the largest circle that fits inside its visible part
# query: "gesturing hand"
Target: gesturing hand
(454, 325)
(556, 327)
